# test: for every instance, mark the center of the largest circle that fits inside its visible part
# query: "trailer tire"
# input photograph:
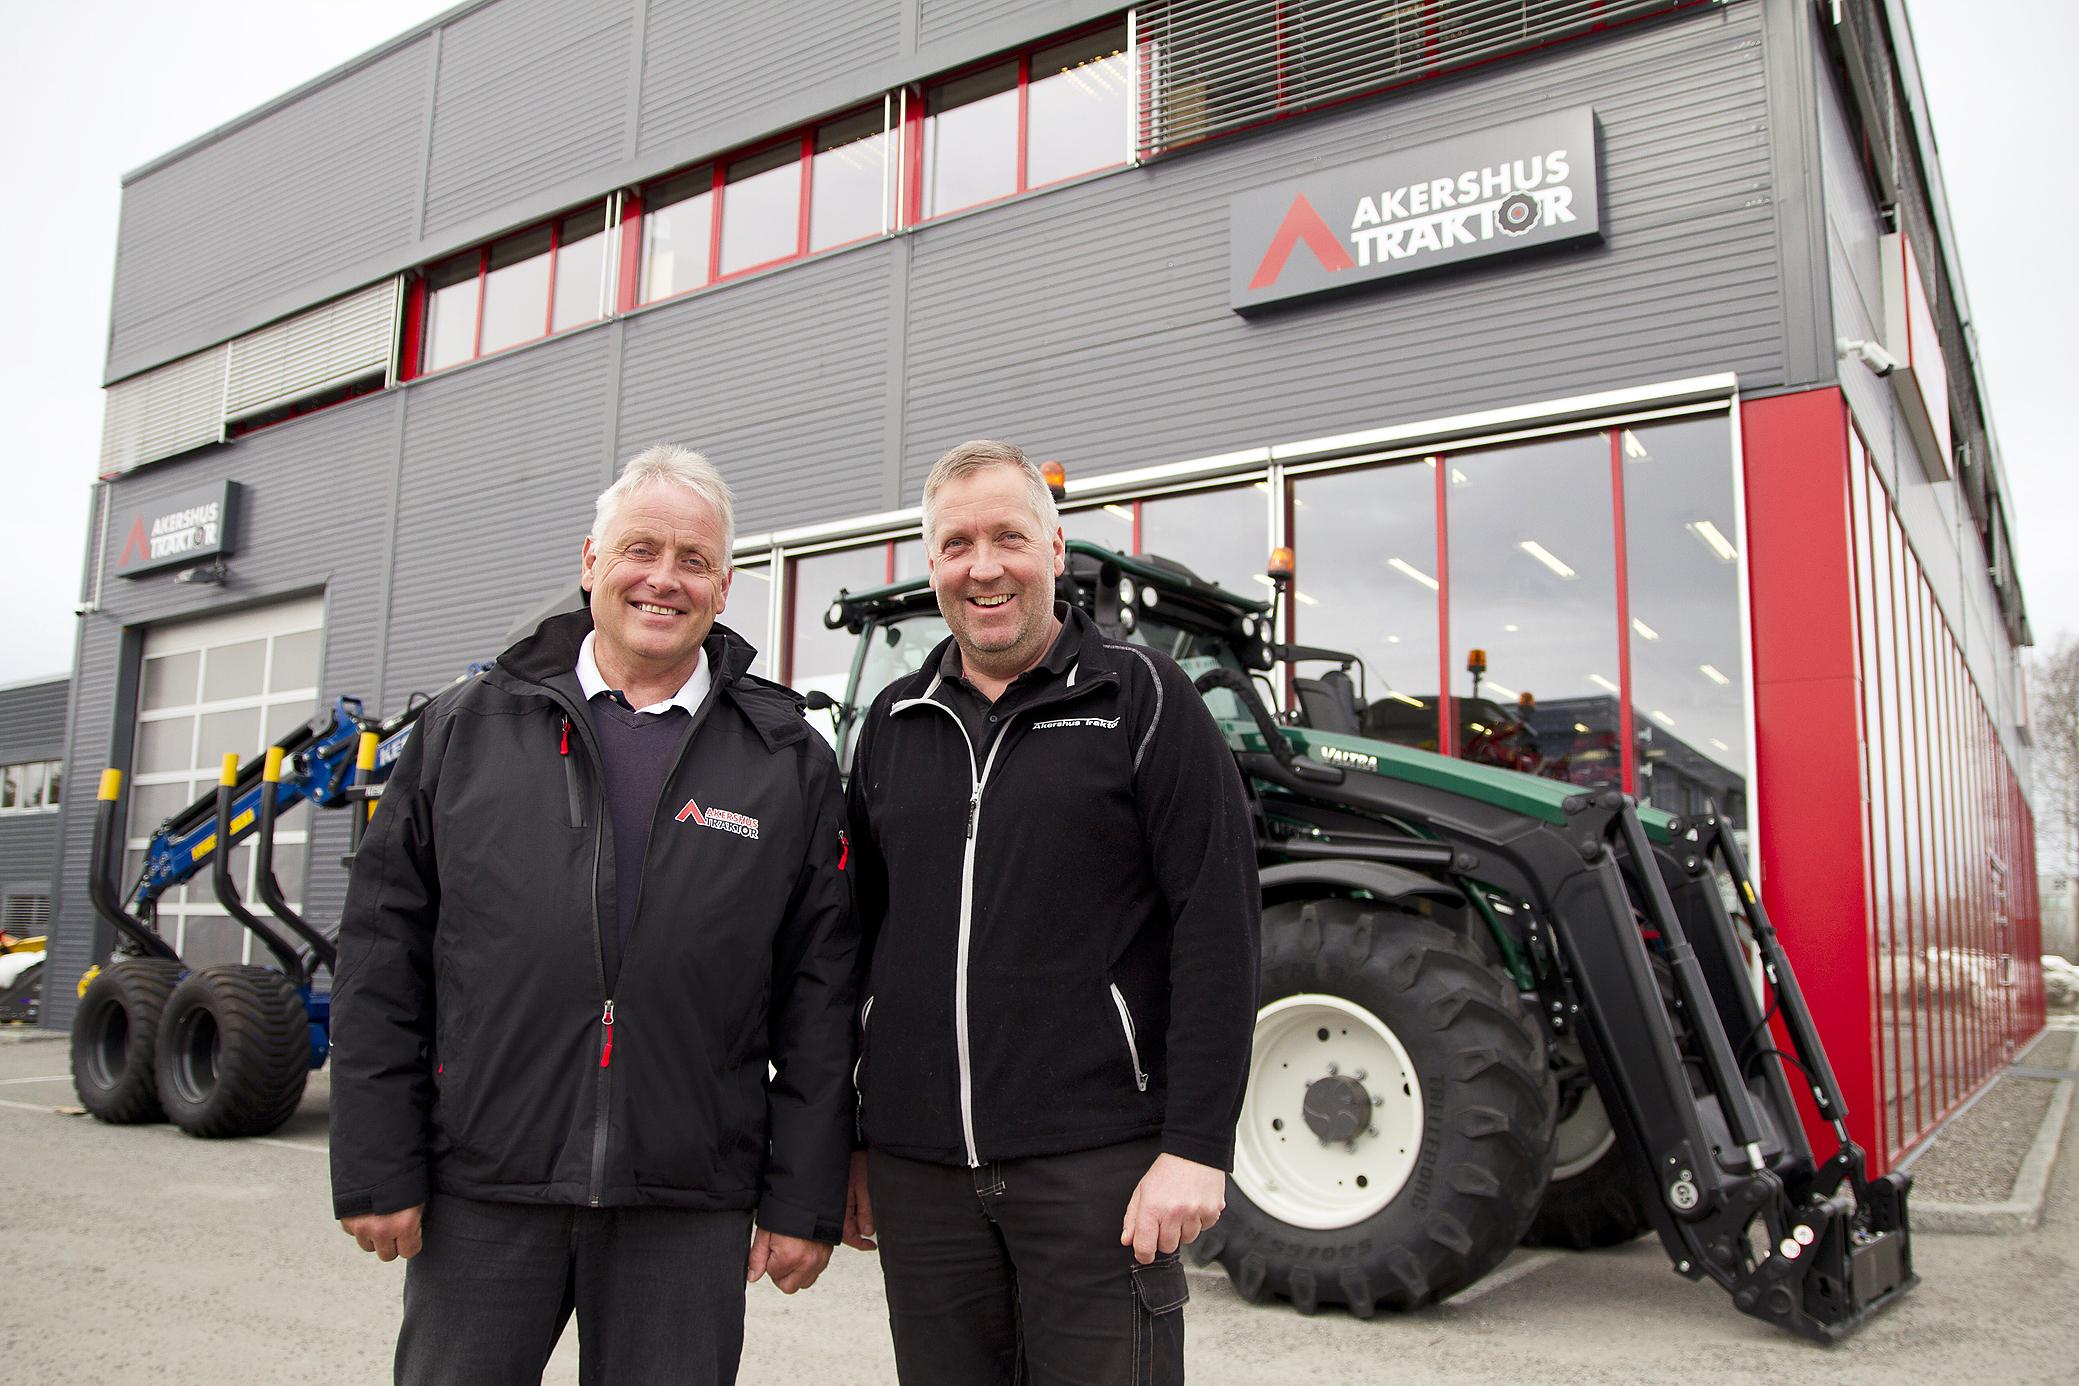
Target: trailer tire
(1381, 1021)
(234, 1052)
(115, 1039)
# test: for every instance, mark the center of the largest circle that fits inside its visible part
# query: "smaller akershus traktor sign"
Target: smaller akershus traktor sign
(186, 528)
(1493, 192)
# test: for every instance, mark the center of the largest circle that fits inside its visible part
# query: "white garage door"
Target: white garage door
(228, 683)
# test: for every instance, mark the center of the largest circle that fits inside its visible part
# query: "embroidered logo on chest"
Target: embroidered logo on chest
(721, 820)
(1101, 723)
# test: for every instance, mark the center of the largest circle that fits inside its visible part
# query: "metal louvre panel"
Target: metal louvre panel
(164, 412)
(327, 346)
(1221, 65)
(25, 916)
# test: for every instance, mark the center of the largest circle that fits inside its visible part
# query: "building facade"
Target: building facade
(1617, 342)
(32, 781)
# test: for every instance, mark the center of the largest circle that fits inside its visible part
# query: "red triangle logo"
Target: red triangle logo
(1302, 223)
(136, 544)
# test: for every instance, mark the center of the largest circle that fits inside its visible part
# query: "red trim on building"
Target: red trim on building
(627, 291)
(1627, 720)
(411, 351)
(1447, 703)
(1809, 729)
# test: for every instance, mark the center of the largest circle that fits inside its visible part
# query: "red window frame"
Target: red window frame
(634, 207)
(919, 104)
(412, 353)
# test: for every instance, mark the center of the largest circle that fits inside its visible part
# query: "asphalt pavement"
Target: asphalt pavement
(141, 1255)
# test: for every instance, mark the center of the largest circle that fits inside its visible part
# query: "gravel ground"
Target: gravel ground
(1976, 1157)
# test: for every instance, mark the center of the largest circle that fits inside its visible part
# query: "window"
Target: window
(1025, 122)
(677, 234)
(523, 287)
(30, 786)
(819, 188)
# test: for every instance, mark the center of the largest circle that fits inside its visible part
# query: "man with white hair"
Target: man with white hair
(591, 1028)
(1055, 874)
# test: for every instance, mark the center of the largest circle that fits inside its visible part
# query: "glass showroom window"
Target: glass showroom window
(1531, 582)
(1025, 122)
(749, 612)
(1223, 535)
(819, 658)
(543, 280)
(1688, 691)
(1365, 549)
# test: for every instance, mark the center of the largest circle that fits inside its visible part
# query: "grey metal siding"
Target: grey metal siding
(1092, 323)
(32, 727)
(501, 465)
(266, 210)
(306, 526)
(939, 20)
(703, 64)
(32, 721)
(532, 93)
(798, 392)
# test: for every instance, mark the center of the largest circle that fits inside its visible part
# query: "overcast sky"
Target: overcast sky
(91, 90)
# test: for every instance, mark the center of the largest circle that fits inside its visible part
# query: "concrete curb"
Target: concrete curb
(2022, 1210)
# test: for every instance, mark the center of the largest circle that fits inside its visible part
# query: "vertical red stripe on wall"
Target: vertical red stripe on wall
(1627, 729)
(627, 290)
(409, 351)
(1808, 732)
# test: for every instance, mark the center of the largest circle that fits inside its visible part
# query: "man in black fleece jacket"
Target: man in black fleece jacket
(1055, 873)
(596, 978)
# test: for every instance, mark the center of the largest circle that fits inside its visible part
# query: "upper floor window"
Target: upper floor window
(31, 786)
(525, 286)
(821, 187)
(1024, 122)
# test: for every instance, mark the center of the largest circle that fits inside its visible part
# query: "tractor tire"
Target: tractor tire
(1594, 1198)
(234, 1052)
(115, 1038)
(1397, 1132)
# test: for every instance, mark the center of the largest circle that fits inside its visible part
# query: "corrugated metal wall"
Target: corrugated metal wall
(213, 241)
(532, 93)
(1090, 322)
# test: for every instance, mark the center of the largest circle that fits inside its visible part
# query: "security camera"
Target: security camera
(1880, 361)
(83, 609)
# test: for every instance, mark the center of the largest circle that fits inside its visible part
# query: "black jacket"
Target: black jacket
(1089, 974)
(472, 1050)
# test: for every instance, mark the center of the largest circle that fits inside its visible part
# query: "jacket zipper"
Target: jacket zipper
(1133, 1051)
(962, 1049)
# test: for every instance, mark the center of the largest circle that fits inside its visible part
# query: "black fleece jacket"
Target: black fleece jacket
(1062, 922)
(476, 1049)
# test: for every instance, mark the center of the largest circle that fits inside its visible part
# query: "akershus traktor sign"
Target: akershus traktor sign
(186, 527)
(1493, 192)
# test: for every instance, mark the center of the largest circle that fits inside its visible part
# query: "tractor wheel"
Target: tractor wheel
(1397, 1131)
(1593, 1199)
(115, 1034)
(234, 1052)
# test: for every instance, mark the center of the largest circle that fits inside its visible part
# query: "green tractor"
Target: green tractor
(1495, 1006)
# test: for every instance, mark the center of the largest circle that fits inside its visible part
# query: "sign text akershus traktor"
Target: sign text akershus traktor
(186, 527)
(1513, 187)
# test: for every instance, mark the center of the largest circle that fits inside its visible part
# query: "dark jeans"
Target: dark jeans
(1011, 1274)
(659, 1294)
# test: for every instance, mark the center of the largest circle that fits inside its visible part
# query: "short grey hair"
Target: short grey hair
(973, 456)
(671, 465)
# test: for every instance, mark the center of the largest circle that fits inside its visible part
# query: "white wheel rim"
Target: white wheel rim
(1280, 1161)
(1582, 1138)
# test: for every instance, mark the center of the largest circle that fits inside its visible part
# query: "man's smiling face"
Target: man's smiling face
(658, 579)
(993, 569)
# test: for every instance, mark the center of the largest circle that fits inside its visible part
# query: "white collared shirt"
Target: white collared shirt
(689, 696)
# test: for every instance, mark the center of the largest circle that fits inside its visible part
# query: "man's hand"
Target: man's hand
(1175, 1201)
(859, 1208)
(388, 1235)
(792, 1262)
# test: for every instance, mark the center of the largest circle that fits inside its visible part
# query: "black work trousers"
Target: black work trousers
(658, 1292)
(1011, 1273)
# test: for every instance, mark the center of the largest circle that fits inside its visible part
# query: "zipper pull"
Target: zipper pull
(565, 748)
(606, 1051)
(974, 806)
